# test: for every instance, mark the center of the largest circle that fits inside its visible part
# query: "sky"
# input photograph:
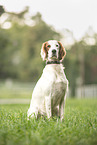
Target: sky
(75, 15)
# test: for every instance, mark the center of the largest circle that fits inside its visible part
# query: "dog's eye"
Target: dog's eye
(48, 46)
(57, 45)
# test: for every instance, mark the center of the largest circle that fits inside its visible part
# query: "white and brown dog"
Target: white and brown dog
(48, 97)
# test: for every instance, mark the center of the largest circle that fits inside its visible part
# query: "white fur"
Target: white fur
(49, 94)
(53, 47)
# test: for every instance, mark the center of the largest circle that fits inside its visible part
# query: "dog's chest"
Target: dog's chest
(58, 89)
(57, 82)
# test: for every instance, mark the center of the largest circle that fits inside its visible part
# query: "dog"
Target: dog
(49, 94)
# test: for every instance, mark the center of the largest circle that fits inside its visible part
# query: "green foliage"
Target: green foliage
(91, 64)
(1, 10)
(78, 128)
(5, 60)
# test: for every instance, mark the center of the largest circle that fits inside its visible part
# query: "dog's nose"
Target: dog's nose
(53, 51)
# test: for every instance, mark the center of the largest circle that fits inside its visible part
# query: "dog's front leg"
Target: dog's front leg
(61, 109)
(49, 106)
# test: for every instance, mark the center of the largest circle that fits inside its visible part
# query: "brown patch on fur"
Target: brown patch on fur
(45, 48)
(62, 51)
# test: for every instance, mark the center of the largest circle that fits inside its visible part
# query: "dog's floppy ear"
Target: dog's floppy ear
(62, 51)
(44, 51)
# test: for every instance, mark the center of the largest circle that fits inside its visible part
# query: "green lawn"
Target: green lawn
(78, 128)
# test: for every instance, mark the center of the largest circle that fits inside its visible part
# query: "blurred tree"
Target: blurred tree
(1, 10)
(4, 54)
(90, 53)
(91, 65)
(17, 17)
(72, 66)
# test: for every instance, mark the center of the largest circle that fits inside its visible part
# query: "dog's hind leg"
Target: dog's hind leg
(61, 109)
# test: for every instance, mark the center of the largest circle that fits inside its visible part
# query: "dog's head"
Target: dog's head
(53, 50)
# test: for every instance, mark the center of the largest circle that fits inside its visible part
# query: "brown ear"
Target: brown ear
(62, 51)
(44, 51)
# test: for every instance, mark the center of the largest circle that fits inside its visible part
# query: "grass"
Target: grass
(78, 128)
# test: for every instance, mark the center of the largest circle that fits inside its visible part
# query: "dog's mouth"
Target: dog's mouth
(54, 55)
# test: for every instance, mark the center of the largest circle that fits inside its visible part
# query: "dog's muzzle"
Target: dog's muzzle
(54, 53)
